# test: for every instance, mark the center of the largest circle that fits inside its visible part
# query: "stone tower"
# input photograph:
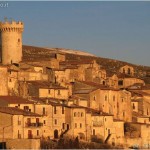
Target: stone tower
(11, 42)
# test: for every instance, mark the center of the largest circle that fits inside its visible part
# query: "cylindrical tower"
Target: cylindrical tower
(11, 42)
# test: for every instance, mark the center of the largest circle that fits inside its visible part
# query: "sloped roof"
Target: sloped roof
(14, 100)
(16, 111)
(45, 84)
(97, 85)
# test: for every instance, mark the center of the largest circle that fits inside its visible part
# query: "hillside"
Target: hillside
(37, 53)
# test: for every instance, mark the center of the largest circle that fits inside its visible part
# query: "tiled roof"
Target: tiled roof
(139, 92)
(51, 101)
(45, 84)
(97, 85)
(14, 100)
(83, 91)
(16, 111)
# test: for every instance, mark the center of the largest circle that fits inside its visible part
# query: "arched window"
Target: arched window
(129, 71)
(74, 114)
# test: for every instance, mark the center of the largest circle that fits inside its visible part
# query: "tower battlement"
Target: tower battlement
(11, 26)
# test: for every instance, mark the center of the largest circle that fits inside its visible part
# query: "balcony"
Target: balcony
(34, 124)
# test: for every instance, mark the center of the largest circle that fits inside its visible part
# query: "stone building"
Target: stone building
(17, 102)
(112, 80)
(3, 80)
(129, 70)
(125, 81)
(19, 124)
(11, 42)
(43, 89)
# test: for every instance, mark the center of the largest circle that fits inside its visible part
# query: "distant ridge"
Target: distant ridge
(75, 52)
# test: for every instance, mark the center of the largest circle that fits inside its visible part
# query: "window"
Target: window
(19, 121)
(26, 107)
(94, 97)
(93, 131)
(123, 70)
(55, 111)
(44, 122)
(19, 135)
(80, 125)
(37, 132)
(55, 121)
(75, 125)
(147, 111)
(63, 125)
(44, 111)
(74, 114)
(133, 106)
(9, 80)
(103, 82)
(129, 71)
(122, 99)
(62, 110)
(58, 92)
(105, 97)
(123, 114)
(82, 114)
(105, 119)
(49, 91)
(18, 40)
(120, 82)
(114, 98)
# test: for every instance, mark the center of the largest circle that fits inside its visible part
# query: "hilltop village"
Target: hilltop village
(54, 97)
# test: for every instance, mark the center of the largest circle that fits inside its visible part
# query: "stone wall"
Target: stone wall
(23, 144)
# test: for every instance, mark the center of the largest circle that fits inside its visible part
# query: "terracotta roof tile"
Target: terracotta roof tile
(15, 100)
(16, 111)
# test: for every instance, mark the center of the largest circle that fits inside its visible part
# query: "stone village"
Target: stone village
(56, 97)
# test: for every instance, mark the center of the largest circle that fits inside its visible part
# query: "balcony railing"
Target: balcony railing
(39, 124)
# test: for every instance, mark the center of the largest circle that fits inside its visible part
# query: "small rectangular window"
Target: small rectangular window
(58, 92)
(49, 91)
(62, 110)
(37, 132)
(55, 111)
(80, 125)
(44, 121)
(63, 125)
(75, 125)
(55, 121)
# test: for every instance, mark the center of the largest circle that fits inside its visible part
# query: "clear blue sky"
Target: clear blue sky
(118, 30)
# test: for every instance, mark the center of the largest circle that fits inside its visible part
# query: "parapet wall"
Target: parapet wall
(11, 26)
